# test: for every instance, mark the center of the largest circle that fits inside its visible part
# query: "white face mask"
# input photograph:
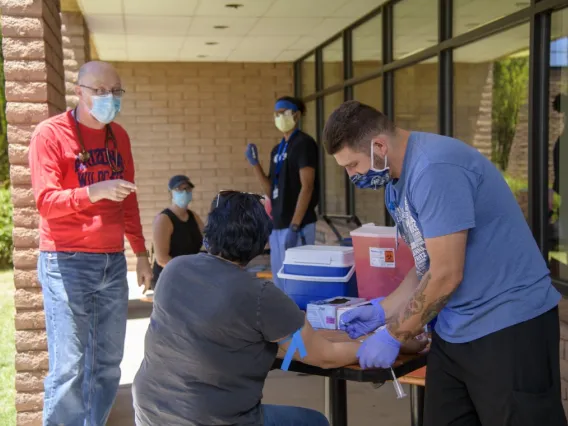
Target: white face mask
(284, 123)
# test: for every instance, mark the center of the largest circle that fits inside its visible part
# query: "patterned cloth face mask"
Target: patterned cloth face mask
(374, 178)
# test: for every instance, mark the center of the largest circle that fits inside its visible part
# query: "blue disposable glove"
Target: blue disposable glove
(379, 350)
(252, 154)
(363, 320)
(291, 238)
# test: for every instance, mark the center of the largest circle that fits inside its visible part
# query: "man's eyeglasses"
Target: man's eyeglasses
(117, 93)
(227, 192)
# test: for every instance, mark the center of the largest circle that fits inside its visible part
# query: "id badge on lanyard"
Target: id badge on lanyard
(393, 208)
(279, 163)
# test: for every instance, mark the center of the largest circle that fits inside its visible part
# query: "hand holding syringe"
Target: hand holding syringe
(400, 393)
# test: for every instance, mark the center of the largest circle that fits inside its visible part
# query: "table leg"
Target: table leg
(326, 398)
(416, 405)
(338, 401)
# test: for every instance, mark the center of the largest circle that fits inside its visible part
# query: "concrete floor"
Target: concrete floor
(366, 406)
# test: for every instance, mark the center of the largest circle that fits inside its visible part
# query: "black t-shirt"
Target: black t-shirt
(208, 348)
(302, 152)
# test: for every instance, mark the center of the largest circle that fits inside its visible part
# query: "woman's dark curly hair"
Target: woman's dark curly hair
(238, 227)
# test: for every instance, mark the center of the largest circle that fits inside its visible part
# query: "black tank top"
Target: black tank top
(186, 239)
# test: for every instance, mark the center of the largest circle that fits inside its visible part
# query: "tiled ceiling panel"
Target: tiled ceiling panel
(247, 30)
(159, 8)
(265, 30)
(165, 26)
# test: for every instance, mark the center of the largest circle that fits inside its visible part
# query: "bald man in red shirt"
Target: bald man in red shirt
(83, 181)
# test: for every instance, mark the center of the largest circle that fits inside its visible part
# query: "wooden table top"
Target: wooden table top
(267, 275)
(416, 377)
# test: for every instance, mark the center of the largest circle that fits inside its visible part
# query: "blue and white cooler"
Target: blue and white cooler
(312, 273)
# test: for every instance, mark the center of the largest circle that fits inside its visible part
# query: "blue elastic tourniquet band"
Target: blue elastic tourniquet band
(285, 105)
(297, 344)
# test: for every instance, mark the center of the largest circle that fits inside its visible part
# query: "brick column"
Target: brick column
(76, 51)
(35, 90)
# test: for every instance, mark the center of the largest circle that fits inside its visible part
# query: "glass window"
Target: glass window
(367, 48)
(332, 58)
(416, 96)
(309, 75)
(308, 122)
(470, 14)
(415, 26)
(558, 142)
(491, 81)
(334, 179)
(370, 205)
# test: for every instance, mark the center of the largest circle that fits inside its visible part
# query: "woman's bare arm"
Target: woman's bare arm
(161, 236)
(324, 353)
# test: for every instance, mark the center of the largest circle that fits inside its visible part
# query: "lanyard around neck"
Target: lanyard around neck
(84, 155)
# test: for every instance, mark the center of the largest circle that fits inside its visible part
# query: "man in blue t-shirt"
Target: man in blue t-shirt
(494, 358)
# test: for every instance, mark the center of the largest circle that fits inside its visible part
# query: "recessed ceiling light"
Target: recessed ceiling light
(233, 5)
(221, 27)
(201, 56)
(211, 43)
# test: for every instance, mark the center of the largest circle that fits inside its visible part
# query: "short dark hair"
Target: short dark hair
(298, 102)
(354, 124)
(238, 227)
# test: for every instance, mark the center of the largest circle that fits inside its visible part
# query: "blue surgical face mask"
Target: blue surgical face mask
(374, 178)
(105, 107)
(181, 198)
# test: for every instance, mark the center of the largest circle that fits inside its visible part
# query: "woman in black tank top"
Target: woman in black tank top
(177, 231)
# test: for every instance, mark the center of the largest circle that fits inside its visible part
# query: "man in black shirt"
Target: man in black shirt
(292, 183)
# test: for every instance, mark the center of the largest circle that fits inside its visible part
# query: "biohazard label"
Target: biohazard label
(382, 257)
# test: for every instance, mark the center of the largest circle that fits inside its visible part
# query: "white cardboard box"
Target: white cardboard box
(341, 310)
(326, 313)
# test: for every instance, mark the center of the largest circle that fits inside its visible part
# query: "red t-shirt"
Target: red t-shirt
(68, 219)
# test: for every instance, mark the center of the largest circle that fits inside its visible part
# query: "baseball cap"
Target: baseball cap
(177, 180)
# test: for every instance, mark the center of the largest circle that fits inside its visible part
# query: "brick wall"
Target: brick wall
(196, 119)
(34, 90)
(76, 51)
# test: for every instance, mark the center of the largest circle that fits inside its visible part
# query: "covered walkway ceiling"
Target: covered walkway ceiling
(209, 30)
(279, 30)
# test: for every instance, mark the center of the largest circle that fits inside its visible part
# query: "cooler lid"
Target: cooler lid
(320, 255)
(371, 230)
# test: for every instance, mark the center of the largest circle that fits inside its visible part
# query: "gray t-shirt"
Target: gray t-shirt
(208, 348)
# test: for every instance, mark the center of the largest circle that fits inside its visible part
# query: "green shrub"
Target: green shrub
(6, 243)
(517, 185)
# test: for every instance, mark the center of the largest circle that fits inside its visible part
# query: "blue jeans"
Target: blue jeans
(282, 415)
(278, 249)
(85, 297)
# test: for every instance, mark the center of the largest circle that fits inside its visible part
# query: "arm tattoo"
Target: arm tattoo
(417, 306)
(434, 308)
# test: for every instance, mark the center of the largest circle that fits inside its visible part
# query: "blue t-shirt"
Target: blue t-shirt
(447, 186)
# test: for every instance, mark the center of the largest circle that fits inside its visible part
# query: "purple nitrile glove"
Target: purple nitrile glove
(363, 319)
(379, 350)
(252, 154)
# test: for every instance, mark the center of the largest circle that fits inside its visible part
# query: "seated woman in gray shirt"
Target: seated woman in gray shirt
(214, 330)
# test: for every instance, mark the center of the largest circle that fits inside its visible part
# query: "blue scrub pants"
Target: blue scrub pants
(278, 250)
